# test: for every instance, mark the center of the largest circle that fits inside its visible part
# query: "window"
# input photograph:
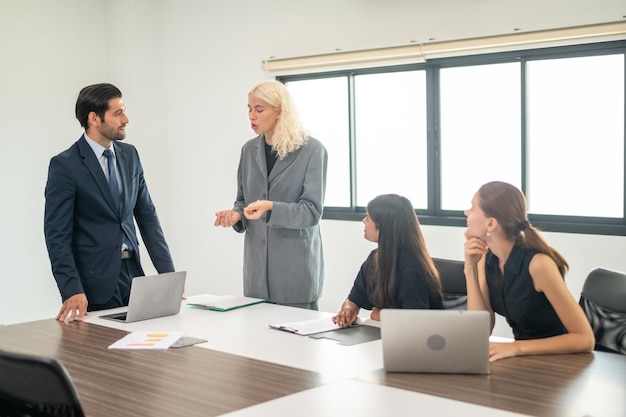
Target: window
(390, 132)
(550, 121)
(480, 130)
(575, 131)
(324, 110)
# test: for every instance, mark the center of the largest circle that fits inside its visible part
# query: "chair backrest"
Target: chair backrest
(453, 283)
(603, 300)
(36, 386)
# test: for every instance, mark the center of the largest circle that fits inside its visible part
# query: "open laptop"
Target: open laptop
(435, 341)
(153, 296)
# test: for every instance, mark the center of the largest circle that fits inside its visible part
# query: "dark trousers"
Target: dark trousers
(129, 269)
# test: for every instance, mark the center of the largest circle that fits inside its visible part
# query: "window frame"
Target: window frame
(435, 215)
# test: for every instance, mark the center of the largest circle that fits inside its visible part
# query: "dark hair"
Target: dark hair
(398, 227)
(95, 98)
(507, 204)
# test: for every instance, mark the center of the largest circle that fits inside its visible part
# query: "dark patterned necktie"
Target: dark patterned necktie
(113, 187)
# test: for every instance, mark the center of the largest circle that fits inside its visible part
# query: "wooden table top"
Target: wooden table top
(196, 381)
(189, 381)
(586, 384)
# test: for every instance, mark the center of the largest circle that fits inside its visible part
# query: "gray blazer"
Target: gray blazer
(283, 259)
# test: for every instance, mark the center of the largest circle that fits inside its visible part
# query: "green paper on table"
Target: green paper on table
(221, 302)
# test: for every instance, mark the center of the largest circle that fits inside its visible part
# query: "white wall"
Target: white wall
(185, 68)
(45, 58)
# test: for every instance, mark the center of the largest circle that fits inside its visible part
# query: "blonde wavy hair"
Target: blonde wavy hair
(289, 134)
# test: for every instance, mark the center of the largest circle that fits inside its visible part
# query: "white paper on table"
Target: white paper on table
(308, 327)
(147, 340)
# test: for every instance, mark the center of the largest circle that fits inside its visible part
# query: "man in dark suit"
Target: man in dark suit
(94, 189)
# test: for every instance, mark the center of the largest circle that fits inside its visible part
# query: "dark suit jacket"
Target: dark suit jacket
(84, 232)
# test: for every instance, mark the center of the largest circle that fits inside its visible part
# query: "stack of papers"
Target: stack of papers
(308, 327)
(221, 302)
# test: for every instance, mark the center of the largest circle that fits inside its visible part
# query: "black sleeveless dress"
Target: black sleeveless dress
(528, 312)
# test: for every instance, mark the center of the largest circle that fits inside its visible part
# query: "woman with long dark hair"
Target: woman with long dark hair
(400, 272)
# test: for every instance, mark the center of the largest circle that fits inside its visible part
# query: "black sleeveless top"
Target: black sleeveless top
(271, 157)
(528, 312)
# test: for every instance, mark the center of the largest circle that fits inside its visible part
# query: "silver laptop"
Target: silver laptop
(435, 341)
(153, 296)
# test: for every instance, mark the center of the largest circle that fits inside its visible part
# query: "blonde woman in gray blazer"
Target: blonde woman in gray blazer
(281, 182)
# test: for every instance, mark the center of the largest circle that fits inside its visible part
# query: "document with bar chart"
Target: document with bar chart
(147, 340)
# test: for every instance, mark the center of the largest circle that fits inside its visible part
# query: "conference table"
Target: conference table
(247, 368)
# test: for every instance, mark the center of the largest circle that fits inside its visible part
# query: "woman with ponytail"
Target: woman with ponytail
(511, 270)
(399, 273)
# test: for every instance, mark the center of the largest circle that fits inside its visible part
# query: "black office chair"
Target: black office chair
(453, 283)
(603, 299)
(34, 386)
